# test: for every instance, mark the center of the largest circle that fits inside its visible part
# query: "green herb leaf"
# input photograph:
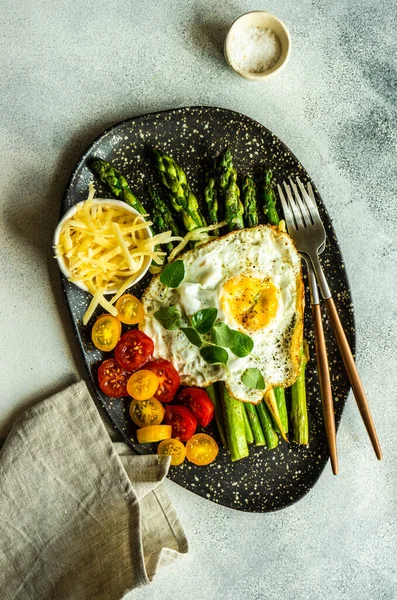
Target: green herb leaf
(173, 274)
(203, 320)
(242, 344)
(169, 317)
(192, 336)
(222, 335)
(239, 343)
(253, 379)
(214, 355)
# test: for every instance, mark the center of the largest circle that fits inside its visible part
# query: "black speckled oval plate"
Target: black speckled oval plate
(266, 480)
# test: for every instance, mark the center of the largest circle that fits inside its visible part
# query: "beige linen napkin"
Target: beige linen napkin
(81, 518)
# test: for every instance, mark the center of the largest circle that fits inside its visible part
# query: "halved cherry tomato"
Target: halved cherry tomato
(130, 310)
(201, 449)
(174, 448)
(134, 350)
(168, 379)
(106, 332)
(142, 384)
(112, 378)
(153, 433)
(146, 412)
(199, 403)
(183, 421)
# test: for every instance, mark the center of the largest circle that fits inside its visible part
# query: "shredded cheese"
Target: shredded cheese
(92, 305)
(105, 248)
(124, 246)
(198, 235)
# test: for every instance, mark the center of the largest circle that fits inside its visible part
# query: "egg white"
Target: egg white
(262, 252)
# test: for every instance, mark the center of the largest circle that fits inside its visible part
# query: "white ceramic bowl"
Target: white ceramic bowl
(259, 18)
(109, 202)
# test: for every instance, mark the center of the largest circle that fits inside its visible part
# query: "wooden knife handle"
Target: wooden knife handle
(325, 386)
(353, 375)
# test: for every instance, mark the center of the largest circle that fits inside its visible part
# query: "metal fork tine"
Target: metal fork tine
(289, 219)
(301, 205)
(305, 199)
(311, 193)
(310, 201)
(294, 208)
(310, 237)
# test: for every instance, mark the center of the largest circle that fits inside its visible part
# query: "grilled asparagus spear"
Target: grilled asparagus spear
(159, 225)
(182, 199)
(234, 209)
(298, 415)
(211, 197)
(162, 217)
(163, 209)
(229, 191)
(269, 199)
(224, 164)
(279, 394)
(212, 391)
(256, 428)
(249, 436)
(248, 191)
(271, 436)
(116, 182)
(234, 422)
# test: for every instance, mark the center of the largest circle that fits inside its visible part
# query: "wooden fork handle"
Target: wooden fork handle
(325, 386)
(353, 375)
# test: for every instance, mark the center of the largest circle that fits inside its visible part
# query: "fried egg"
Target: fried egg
(253, 278)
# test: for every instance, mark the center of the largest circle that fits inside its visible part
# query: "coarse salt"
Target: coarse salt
(255, 49)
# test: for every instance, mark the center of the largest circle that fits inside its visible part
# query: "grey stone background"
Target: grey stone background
(69, 69)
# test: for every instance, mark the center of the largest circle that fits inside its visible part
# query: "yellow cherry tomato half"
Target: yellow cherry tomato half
(106, 332)
(153, 433)
(174, 448)
(146, 412)
(142, 384)
(130, 310)
(201, 449)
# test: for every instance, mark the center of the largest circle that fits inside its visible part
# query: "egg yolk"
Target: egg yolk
(251, 301)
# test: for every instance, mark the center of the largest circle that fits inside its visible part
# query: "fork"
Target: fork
(321, 354)
(307, 230)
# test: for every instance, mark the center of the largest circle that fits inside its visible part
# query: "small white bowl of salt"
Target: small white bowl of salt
(257, 45)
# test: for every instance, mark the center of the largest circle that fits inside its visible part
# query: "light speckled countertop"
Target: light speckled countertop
(69, 70)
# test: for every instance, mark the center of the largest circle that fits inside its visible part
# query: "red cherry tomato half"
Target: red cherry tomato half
(182, 420)
(199, 403)
(133, 350)
(168, 379)
(112, 378)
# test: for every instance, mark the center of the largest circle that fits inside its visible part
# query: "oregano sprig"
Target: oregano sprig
(202, 323)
